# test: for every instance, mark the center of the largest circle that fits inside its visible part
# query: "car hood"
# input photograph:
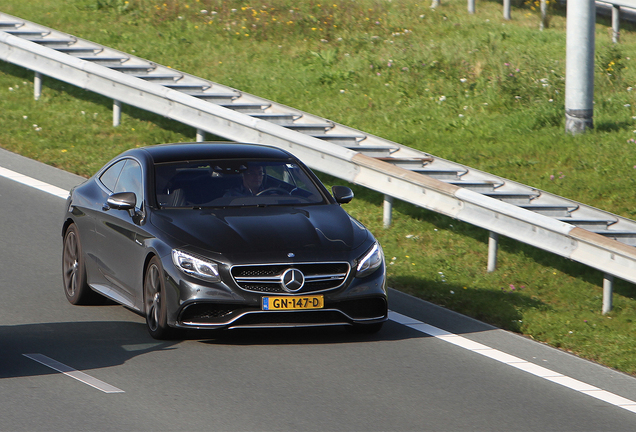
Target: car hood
(269, 233)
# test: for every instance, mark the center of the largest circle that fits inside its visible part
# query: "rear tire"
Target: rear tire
(76, 289)
(155, 307)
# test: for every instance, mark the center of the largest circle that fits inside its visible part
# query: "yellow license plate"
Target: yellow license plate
(293, 303)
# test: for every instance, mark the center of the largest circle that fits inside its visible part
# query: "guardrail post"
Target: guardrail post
(544, 15)
(200, 135)
(579, 66)
(388, 210)
(493, 246)
(37, 86)
(471, 6)
(116, 113)
(616, 15)
(506, 9)
(608, 288)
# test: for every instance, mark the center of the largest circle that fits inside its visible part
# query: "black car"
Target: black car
(221, 235)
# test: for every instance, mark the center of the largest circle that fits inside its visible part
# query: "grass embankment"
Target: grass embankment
(470, 88)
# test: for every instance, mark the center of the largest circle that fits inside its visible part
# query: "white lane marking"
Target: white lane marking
(37, 184)
(73, 373)
(515, 362)
(438, 333)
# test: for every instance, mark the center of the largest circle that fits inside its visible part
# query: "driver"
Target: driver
(252, 182)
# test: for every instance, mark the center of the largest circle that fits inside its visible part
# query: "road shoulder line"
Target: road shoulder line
(30, 181)
(510, 360)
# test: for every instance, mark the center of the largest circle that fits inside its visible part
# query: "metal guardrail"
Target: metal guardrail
(573, 230)
(616, 6)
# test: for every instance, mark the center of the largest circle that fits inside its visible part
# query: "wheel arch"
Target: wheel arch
(67, 223)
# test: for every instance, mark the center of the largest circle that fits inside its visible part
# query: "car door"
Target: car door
(122, 250)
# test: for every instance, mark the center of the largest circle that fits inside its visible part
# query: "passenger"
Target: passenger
(252, 182)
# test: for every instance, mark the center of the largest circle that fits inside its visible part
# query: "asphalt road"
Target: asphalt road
(407, 377)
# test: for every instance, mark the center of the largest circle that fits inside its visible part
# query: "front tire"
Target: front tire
(155, 306)
(76, 288)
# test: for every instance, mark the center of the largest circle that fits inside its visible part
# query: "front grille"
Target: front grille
(268, 278)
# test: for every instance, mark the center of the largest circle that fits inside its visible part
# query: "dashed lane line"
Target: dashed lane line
(73, 373)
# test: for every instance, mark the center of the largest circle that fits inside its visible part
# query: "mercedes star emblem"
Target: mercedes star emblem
(292, 280)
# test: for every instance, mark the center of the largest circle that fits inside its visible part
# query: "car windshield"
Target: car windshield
(234, 183)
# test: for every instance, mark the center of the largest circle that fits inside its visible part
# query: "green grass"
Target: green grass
(470, 88)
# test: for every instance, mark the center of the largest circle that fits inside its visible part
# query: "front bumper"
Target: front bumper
(211, 315)
(195, 305)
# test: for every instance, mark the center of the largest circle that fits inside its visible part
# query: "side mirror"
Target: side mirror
(121, 201)
(342, 194)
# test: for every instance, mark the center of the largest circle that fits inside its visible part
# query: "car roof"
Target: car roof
(212, 150)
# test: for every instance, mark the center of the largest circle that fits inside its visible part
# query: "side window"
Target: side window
(110, 176)
(130, 180)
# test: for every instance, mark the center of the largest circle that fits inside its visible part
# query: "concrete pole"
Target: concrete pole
(116, 113)
(37, 86)
(506, 9)
(388, 211)
(579, 66)
(471, 6)
(616, 16)
(493, 246)
(434, 4)
(544, 15)
(200, 135)
(608, 288)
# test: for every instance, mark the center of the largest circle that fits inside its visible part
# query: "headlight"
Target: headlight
(370, 261)
(197, 267)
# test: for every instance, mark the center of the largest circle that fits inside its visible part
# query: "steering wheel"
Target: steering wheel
(273, 191)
